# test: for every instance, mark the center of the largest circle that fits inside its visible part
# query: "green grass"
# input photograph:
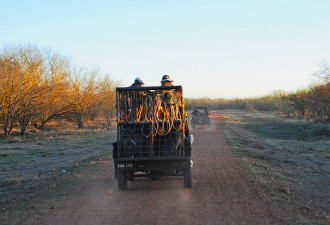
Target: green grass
(287, 129)
(59, 184)
(3, 141)
(51, 145)
(12, 157)
(279, 154)
(294, 135)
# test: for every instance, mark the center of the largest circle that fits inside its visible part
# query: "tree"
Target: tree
(323, 90)
(54, 106)
(9, 88)
(21, 86)
(33, 86)
(108, 98)
(324, 72)
(83, 99)
(298, 100)
(38, 85)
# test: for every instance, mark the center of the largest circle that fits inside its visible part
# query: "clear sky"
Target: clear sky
(217, 49)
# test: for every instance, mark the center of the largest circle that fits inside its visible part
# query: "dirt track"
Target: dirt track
(221, 194)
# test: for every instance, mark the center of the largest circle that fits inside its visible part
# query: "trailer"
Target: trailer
(153, 138)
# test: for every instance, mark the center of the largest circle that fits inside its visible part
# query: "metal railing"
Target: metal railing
(151, 122)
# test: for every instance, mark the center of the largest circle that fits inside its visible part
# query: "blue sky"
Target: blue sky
(217, 49)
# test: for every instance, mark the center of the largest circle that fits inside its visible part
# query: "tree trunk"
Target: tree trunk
(80, 122)
(5, 131)
(7, 125)
(24, 122)
(44, 122)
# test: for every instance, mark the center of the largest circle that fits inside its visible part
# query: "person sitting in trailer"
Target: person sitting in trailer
(166, 81)
(138, 82)
(170, 101)
(138, 100)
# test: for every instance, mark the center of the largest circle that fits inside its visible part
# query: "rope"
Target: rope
(164, 109)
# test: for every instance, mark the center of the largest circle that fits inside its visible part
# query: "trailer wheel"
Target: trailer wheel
(130, 175)
(154, 176)
(122, 184)
(187, 174)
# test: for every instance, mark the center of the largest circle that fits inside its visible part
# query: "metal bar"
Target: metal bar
(165, 158)
(149, 88)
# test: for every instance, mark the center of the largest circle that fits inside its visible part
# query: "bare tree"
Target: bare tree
(55, 103)
(21, 78)
(9, 87)
(324, 72)
(83, 99)
(108, 98)
(33, 86)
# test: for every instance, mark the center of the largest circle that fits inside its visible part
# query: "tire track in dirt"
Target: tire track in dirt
(221, 194)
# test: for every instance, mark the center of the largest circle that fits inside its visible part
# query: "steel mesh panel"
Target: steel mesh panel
(150, 122)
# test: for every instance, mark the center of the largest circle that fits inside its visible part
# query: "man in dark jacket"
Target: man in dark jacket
(138, 82)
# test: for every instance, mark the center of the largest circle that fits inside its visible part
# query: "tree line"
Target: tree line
(312, 102)
(38, 85)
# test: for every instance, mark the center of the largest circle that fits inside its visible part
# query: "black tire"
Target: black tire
(115, 150)
(187, 173)
(154, 176)
(130, 176)
(122, 184)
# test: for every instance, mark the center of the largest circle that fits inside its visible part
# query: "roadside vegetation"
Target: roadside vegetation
(39, 85)
(312, 103)
(288, 157)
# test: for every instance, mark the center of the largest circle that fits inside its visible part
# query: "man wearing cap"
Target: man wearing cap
(136, 111)
(138, 82)
(169, 97)
(166, 81)
(167, 94)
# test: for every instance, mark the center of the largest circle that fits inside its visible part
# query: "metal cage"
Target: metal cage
(151, 122)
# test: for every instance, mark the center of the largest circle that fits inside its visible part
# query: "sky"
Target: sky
(213, 48)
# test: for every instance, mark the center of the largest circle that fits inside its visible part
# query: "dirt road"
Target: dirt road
(221, 194)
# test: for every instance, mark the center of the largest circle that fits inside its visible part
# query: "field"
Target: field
(288, 157)
(280, 171)
(27, 161)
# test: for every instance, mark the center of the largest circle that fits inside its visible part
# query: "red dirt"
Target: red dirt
(221, 194)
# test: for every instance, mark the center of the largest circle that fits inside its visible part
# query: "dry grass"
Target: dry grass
(288, 157)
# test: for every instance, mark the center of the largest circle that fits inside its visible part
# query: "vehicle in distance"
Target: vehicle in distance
(200, 116)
